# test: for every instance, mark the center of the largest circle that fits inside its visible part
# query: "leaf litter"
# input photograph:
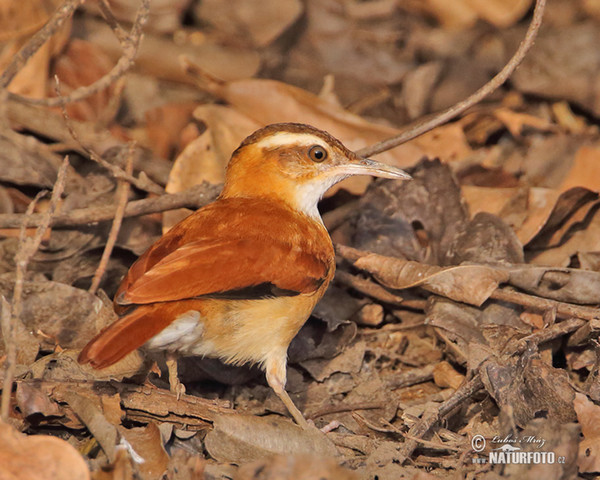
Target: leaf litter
(465, 302)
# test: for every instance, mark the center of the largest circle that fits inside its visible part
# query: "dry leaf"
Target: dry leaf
(79, 65)
(588, 415)
(445, 376)
(147, 443)
(244, 438)
(570, 285)
(585, 171)
(38, 457)
(472, 284)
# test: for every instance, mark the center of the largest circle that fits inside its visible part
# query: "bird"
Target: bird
(238, 278)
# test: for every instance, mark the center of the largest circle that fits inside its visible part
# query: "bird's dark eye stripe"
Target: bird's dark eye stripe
(317, 153)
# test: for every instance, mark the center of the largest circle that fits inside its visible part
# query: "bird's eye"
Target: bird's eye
(317, 153)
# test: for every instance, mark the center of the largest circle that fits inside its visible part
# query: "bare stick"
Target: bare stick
(130, 47)
(142, 183)
(27, 248)
(542, 304)
(42, 36)
(423, 126)
(122, 193)
(194, 197)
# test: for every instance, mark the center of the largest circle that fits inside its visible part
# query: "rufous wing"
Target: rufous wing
(228, 268)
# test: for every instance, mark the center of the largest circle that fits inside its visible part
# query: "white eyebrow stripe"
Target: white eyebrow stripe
(281, 139)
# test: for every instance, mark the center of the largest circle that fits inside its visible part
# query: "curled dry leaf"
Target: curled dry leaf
(38, 457)
(570, 285)
(472, 284)
(244, 438)
(588, 415)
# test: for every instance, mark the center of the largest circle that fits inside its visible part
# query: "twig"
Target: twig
(142, 183)
(27, 248)
(368, 287)
(411, 377)
(432, 416)
(423, 126)
(194, 197)
(346, 408)
(543, 304)
(113, 23)
(42, 36)
(122, 193)
(130, 46)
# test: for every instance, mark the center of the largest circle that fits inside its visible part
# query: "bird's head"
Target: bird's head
(296, 164)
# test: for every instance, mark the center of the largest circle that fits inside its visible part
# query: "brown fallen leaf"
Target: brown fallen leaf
(38, 457)
(588, 415)
(146, 442)
(472, 284)
(79, 65)
(572, 285)
(244, 438)
(585, 171)
(445, 376)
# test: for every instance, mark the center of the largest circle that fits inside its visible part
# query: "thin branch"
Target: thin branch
(423, 126)
(542, 304)
(27, 248)
(194, 197)
(113, 23)
(122, 193)
(130, 47)
(42, 36)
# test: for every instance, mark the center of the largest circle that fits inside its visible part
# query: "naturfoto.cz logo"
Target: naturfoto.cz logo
(509, 453)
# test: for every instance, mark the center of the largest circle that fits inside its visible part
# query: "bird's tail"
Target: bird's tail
(124, 336)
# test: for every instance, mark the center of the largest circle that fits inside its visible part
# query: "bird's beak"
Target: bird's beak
(366, 166)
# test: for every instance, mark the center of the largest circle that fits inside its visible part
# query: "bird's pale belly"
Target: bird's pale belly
(236, 331)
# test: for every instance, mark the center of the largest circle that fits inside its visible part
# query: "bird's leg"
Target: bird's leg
(174, 384)
(276, 378)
